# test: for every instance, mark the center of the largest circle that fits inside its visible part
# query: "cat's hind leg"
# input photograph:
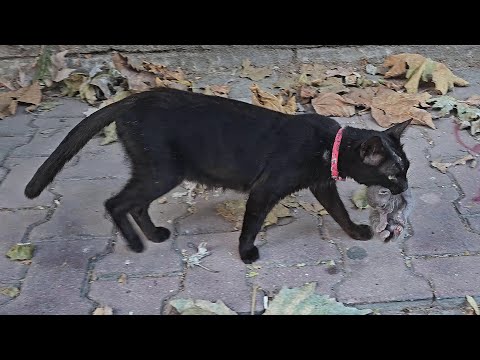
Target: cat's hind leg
(135, 198)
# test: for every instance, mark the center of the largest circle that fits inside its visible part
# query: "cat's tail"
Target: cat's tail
(76, 139)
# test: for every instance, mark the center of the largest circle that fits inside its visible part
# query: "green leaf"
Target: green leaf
(200, 307)
(304, 301)
(10, 291)
(21, 252)
(359, 197)
(110, 133)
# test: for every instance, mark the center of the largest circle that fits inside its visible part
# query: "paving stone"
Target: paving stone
(451, 276)
(13, 186)
(81, 210)
(137, 296)
(44, 142)
(229, 284)
(272, 279)
(13, 225)
(17, 125)
(7, 144)
(69, 108)
(375, 271)
(205, 220)
(296, 243)
(97, 162)
(437, 226)
(469, 181)
(55, 280)
(157, 259)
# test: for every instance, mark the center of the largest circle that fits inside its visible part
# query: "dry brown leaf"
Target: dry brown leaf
(103, 310)
(444, 166)
(289, 82)
(330, 104)
(7, 84)
(473, 100)
(122, 279)
(330, 85)
(254, 73)
(30, 95)
(315, 71)
(281, 103)
(340, 71)
(9, 100)
(416, 68)
(233, 211)
(390, 107)
(217, 90)
(307, 93)
(137, 80)
(315, 208)
(362, 97)
(471, 301)
(59, 70)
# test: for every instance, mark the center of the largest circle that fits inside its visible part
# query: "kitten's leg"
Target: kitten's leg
(327, 195)
(152, 232)
(258, 206)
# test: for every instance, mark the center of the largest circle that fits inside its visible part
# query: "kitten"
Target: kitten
(389, 214)
(171, 136)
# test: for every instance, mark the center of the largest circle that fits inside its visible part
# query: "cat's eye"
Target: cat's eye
(392, 177)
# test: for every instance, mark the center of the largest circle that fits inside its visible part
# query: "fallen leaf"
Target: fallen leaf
(361, 97)
(103, 310)
(314, 209)
(217, 90)
(7, 84)
(122, 279)
(233, 211)
(371, 69)
(416, 68)
(390, 107)
(10, 291)
(314, 71)
(200, 307)
(21, 251)
(465, 113)
(330, 85)
(164, 73)
(304, 301)
(179, 194)
(254, 73)
(473, 100)
(330, 104)
(59, 70)
(88, 93)
(162, 200)
(73, 83)
(339, 71)
(281, 103)
(471, 301)
(307, 93)
(444, 166)
(30, 95)
(252, 274)
(359, 197)
(195, 259)
(289, 82)
(110, 132)
(137, 80)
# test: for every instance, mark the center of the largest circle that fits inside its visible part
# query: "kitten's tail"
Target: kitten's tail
(73, 142)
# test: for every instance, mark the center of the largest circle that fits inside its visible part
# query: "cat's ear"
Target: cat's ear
(397, 130)
(372, 151)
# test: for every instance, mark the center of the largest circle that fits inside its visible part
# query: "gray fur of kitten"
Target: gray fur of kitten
(389, 214)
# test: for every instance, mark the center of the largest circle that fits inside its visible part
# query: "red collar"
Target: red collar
(335, 153)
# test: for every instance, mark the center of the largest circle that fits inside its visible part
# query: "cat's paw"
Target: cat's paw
(161, 234)
(136, 246)
(361, 232)
(249, 256)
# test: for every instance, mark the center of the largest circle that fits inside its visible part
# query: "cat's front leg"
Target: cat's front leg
(327, 195)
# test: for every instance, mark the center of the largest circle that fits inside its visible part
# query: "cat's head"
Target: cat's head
(382, 160)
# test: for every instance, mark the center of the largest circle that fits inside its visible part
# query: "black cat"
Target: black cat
(173, 135)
